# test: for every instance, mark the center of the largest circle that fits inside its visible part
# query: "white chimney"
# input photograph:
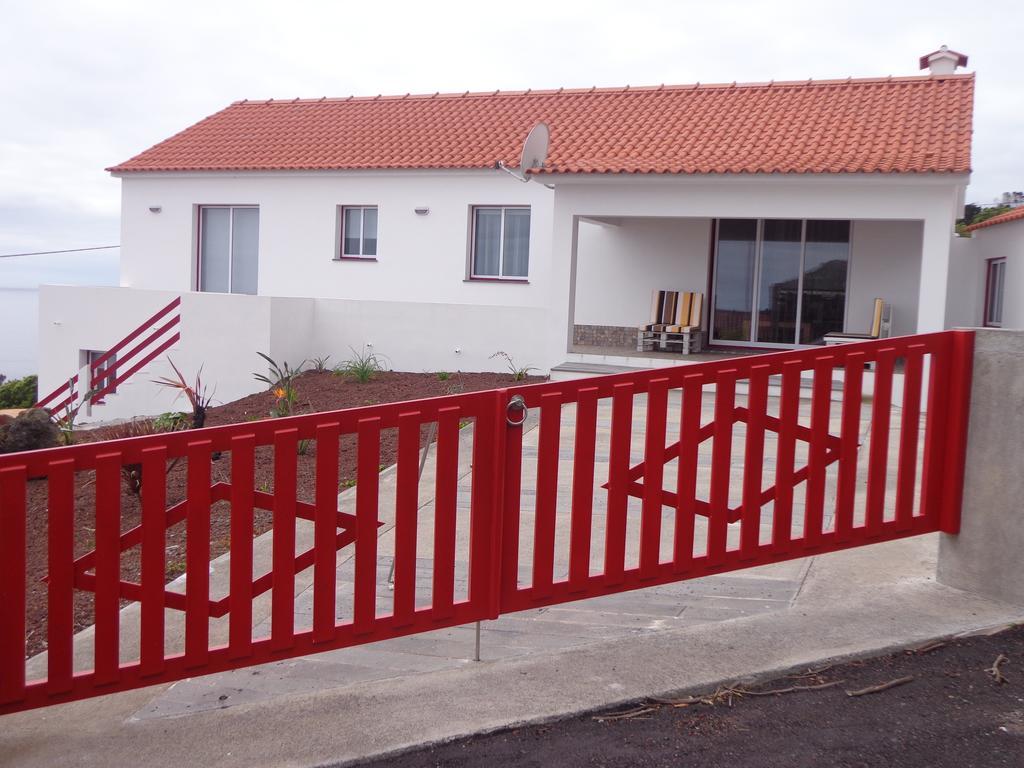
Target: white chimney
(942, 61)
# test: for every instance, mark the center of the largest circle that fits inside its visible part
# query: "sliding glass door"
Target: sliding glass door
(779, 281)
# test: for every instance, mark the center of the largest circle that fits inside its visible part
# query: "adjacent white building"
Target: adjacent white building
(305, 228)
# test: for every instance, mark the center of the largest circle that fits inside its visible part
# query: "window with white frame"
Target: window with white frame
(229, 239)
(358, 232)
(994, 292)
(500, 246)
(103, 375)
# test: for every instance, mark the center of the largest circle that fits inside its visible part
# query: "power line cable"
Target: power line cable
(66, 250)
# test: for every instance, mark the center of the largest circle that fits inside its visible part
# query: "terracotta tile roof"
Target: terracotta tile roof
(891, 125)
(1002, 218)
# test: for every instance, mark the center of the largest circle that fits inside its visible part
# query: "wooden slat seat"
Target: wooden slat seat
(675, 322)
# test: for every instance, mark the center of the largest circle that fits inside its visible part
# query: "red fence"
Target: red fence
(118, 364)
(818, 467)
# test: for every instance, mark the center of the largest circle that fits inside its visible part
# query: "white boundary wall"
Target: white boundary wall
(222, 334)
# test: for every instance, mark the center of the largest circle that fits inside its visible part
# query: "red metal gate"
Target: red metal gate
(788, 425)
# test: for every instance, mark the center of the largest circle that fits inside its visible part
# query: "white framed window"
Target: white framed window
(229, 237)
(500, 243)
(358, 232)
(994, 281)
(102, 377)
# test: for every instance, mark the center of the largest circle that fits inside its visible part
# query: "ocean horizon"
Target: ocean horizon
(19, 316)
(20, 279)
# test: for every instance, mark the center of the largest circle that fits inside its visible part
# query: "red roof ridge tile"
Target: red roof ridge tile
(810, 82)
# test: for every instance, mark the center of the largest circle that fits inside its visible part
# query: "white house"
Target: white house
(996, 259)
(304, 228)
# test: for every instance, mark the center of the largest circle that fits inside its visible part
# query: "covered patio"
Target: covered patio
(764, 283)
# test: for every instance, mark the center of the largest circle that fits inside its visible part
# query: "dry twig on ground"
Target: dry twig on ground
(928, 647)
(881, 687)
(626, 715)
(994, 672)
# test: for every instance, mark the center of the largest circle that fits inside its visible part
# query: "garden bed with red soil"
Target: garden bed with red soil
(315, 392)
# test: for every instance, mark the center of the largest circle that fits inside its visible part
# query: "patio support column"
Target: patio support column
(563, 277)
(936, 243)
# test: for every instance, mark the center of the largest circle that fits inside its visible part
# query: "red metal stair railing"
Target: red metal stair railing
(614, 483)
(115, 366)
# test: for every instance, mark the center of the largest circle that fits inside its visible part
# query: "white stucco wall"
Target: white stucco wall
(621, 261)
(885, 262)
(965, 304)
(420, 258)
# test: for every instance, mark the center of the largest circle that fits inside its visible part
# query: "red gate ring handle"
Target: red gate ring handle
(516, 404)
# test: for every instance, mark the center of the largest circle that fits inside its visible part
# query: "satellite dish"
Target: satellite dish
(535, 148)
(534, 154)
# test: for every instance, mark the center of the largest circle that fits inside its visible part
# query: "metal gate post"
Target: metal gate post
(497, 468)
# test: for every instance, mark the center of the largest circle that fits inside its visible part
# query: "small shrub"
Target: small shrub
(362, 366)
(18, 393)
(31, 430)
(443, 375)
(197, 395)
(518, 372)
(319, 364)
(280, 379)
(171, 421)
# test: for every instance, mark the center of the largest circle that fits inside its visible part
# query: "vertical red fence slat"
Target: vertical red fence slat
(849, 436)
(547, 494)
(154, 559)
(108, 566)
(753, 462)
(686, 473)
(406, 501)
(789, 414)
(282, 616)
(878, 452)
(581, 515)
(61, 591)
(654, 477)
(935, 430)
(197, 555)
(12, 583)
(961, 369)
(906, 469)
(482, 513)
(721, 458)
(325, 528)
(243, 479)
(367, 488)
(446, 486)
(618, 471)
(821, 402)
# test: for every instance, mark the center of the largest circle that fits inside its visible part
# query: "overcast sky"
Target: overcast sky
(88, 84)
